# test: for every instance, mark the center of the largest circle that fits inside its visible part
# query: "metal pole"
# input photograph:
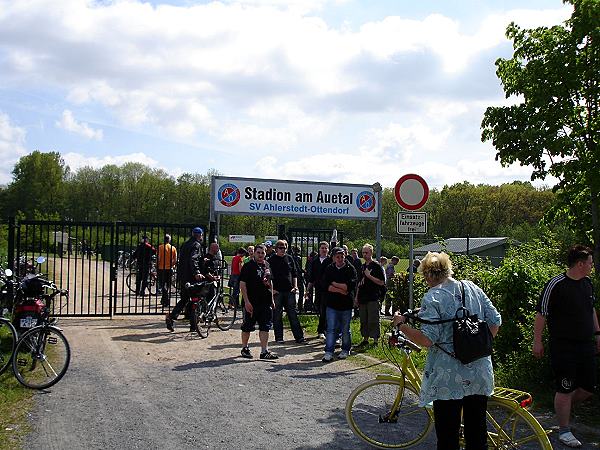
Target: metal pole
(377, 188)
(411, 275)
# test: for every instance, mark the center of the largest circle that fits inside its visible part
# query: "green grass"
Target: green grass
(310, 323)
(15, 402)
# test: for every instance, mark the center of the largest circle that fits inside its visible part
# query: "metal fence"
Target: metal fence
(94, 261)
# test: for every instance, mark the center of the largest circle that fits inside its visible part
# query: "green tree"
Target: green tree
(555, 125)
(37, 189)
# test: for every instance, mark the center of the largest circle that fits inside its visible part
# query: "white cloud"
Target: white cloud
(12, 146)
(264, 77)
(69, 123)
(76, 161)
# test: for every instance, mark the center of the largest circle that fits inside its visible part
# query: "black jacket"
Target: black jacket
(190, 261)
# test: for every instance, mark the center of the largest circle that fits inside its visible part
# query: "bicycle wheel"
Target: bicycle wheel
(225, 312)
(200, 320)
(130, 281)
(385, 413)
(41, 358)
(152, 284)
(8, 341)
(511, 426)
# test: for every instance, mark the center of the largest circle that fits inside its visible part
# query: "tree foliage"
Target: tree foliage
(555, 125)
(38, 185)
(137, 193)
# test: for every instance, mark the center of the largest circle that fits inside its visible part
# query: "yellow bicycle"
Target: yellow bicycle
(385, 412)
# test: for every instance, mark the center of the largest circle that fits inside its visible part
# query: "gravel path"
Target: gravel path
(132, 384)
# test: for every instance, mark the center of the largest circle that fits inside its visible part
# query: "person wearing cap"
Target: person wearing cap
(143, 255)
(189, 270)
(339, 283)
(269, 249)
(166, 260)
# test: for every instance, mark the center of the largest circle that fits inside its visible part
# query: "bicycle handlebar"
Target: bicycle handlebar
(399, 339)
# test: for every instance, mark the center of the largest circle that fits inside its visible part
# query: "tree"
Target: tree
(555, 126)
(37, 188)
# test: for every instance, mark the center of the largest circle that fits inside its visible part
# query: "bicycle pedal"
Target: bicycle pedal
(22, 362)
(388, 419)
(52, 340)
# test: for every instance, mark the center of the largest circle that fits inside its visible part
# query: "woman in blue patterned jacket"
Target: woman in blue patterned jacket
(453, 387)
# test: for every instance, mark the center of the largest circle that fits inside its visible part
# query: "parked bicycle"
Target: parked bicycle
(41, 355)
(219, 309)
(385, 412)
(151, 282)
(123, 260)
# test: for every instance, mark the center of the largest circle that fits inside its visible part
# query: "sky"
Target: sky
(342, 91)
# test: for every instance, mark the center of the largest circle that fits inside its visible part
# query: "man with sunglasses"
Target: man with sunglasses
(285, 287)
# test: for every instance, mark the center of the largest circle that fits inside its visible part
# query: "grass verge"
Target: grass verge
(15, 402)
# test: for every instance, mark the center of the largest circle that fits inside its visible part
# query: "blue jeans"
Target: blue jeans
(286, 300)
(338, 321)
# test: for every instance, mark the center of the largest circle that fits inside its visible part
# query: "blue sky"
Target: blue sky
(324, 90)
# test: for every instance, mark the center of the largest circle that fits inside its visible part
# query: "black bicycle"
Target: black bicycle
(219, 309)
(41, 355)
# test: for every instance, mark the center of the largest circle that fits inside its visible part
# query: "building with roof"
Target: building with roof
(493, 248)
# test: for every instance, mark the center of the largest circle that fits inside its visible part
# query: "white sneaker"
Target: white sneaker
(328, 357)
(343, 354)
(321, 335)
(569, 440)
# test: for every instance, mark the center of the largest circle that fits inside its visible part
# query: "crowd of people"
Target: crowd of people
(339, 284)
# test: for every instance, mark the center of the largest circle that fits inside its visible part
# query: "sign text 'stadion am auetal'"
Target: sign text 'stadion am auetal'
(251, 193)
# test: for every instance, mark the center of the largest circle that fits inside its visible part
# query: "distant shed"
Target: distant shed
(493, 248)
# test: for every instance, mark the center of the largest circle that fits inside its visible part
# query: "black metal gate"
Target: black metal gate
(307, 239)
(148, 301)
(93, 261)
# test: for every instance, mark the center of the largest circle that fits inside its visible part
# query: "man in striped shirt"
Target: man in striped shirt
(567, 307)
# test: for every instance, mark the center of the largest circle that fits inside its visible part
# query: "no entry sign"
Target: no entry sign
(411, 192)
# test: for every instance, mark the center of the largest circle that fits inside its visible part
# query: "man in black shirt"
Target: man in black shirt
(318, 265)
(189, 270)
(368, 296)
(285, 287)
(143, 255)
(257, 291)
(339, 283)
(297, 257)
(567, 306)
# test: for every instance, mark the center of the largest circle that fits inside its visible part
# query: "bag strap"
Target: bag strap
(439, 322)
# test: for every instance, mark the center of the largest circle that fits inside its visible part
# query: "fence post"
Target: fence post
(11, 243)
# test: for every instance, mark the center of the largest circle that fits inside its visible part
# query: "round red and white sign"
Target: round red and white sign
(411, 192)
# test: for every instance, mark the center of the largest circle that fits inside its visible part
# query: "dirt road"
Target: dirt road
(132, 385)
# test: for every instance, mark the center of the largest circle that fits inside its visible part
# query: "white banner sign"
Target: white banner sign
(241, 238)
(293, 198)
(411, 223)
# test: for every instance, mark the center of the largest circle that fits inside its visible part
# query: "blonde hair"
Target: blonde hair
(369, 246)
(436, 266)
